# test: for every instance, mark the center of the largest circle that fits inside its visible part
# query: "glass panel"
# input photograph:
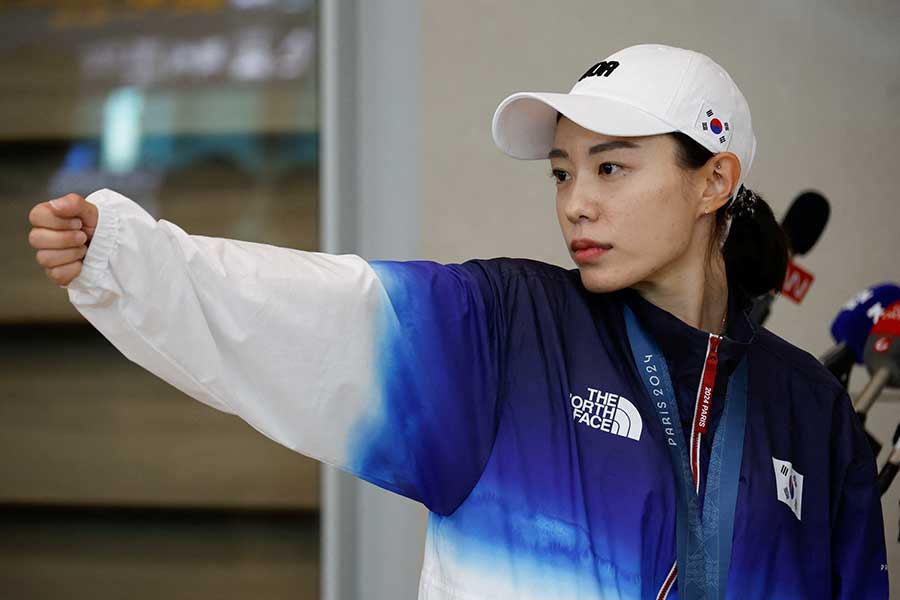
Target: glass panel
(203, 111)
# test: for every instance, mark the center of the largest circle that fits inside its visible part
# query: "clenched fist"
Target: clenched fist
(62, 231)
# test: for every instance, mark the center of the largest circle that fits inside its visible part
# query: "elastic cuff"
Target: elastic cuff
(106, 235)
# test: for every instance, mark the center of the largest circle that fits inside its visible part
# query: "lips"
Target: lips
(585, 243)
(585, 249)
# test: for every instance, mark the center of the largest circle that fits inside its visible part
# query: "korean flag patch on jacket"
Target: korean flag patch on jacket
(789, 485)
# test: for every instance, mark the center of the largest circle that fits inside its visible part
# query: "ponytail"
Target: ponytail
(754, 245)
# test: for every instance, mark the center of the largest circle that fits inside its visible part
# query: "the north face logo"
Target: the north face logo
(607, 412)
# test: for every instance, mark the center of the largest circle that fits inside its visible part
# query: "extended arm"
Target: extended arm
(387, 370)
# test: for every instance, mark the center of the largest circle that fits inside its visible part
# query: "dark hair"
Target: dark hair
(756, 250)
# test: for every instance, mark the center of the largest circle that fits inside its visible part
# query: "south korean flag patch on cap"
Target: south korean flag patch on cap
(715, 125)
(788, 485)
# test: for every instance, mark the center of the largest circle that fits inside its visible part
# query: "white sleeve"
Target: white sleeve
(240, 326)
(388, 370)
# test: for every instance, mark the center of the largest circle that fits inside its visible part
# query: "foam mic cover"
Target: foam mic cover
(805, 221)
(857, 317)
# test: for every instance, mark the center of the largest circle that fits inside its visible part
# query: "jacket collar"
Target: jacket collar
(684, 346)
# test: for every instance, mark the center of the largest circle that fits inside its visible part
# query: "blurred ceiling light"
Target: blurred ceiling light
(121, 138)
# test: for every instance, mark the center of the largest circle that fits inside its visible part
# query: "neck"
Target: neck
(695, 291)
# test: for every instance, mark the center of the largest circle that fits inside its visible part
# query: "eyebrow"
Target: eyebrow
(597, 149)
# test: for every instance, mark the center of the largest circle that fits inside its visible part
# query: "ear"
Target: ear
(721, 172)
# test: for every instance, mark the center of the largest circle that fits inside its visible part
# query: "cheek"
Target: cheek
(565, 226)
(661, 232)
(657, 225)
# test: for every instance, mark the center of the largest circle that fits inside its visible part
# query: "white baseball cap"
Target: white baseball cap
(641, 90)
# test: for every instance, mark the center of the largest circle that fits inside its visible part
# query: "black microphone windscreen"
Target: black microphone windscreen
(805, 220)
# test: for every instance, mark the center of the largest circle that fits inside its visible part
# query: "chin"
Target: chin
(603, 280)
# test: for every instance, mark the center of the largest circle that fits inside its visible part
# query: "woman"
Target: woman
(560, 425)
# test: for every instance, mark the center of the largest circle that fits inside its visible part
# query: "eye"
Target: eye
(609, 168)
(559, 175)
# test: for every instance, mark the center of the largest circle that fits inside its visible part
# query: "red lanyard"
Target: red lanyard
(703, 404)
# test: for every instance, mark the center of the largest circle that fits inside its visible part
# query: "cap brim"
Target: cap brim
(524, 124)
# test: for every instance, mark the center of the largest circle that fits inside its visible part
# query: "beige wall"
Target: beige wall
(823, 83)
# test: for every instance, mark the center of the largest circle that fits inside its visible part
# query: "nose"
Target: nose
(581, 203)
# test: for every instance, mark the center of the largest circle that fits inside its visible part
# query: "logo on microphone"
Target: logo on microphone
(788, 485)
(882, 344)
(797, 281)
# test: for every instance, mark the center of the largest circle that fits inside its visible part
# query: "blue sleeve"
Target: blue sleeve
(438, 344)
(859, 558)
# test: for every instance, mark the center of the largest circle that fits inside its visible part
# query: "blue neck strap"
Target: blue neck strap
(704, 537)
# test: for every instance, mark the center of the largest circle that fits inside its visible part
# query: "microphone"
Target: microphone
(882, 358)
(805, 221)
(882, 363)
(803, 224)
(852, 326)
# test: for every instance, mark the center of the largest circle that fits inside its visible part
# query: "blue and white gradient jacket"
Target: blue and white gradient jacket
(504, 397)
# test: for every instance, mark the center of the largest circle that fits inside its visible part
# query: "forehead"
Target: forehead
(571, 137)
